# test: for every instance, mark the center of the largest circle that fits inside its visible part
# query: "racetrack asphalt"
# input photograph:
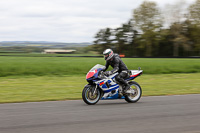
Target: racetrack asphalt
(155, 114)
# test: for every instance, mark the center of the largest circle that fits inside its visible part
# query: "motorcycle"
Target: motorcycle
(101, 86)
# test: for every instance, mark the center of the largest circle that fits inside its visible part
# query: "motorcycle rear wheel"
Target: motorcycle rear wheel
(88, 97)
(134, 97)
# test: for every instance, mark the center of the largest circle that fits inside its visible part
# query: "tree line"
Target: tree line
(151, 33)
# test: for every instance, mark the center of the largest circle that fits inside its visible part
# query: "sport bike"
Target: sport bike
(103, 87)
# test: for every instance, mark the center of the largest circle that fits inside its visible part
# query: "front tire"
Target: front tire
(88, 97)
(137, 92)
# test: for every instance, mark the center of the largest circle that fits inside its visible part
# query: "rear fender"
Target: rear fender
(134, 74)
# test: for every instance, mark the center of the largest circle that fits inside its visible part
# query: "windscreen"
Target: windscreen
(96, 67)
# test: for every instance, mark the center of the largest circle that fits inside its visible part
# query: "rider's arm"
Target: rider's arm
(116, 66)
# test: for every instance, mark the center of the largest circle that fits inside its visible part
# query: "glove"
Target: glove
(107, 73)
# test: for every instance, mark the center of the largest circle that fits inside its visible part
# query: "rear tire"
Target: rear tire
(134, 97)
(87, 96)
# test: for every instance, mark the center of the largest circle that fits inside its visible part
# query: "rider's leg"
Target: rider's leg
(120, 78)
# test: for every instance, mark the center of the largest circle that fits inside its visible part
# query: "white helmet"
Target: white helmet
(108, 54)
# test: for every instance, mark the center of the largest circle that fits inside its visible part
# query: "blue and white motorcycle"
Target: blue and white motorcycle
(106, 87)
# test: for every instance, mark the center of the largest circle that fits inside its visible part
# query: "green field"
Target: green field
(45, 88)
(40, 66)
(42, 78)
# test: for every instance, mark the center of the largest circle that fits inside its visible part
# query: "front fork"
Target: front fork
(94, 90)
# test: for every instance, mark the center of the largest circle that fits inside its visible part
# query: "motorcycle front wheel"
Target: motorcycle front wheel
(89, 97)
(135, 92)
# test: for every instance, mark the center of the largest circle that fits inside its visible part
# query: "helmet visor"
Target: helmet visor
(106, 56)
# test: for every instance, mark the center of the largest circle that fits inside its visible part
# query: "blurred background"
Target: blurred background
(131, 28)
(152, 31)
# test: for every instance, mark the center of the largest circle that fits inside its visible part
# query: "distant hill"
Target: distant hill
(41, 44)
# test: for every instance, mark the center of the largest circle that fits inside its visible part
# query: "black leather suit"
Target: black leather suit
(118, 66)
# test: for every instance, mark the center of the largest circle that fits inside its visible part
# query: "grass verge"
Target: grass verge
(49, 88)
(41, 66)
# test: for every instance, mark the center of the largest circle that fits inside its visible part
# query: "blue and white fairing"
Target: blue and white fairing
(107, 84)
(109, 87)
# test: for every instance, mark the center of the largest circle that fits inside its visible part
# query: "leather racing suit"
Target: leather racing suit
(118, 66)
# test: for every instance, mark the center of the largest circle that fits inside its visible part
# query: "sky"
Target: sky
(64, 20)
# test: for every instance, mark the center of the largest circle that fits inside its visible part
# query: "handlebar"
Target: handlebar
(102, 75)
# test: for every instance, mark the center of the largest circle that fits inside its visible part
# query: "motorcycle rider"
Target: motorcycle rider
(118, 66)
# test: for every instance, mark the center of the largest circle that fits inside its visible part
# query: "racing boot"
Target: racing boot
(126, 87)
